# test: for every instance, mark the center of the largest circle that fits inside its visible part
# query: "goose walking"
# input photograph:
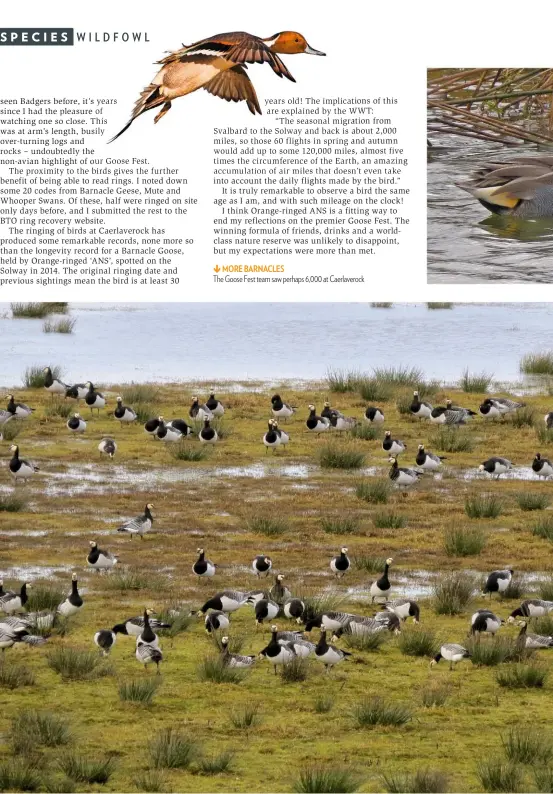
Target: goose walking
(208, 434)
(293, 609)
(74, 602)
(261, 565)
(316, 424)
(275, 652)
(139, 525)
(404, 608)
(214, 405)
(203, 568)
(278, 591)
(391, 445)
(280, 409)
(234, 659)
(226, 601)
(216, 621)
(341, 564)
(94, 399)
(498, 581)
(485, 622)
(198, 411)
(535, 641)
(147, 654)
(76, 424)
(271, 439)
(124, 413)
(19, 468)
(107, 446)
(531, 608)
(427, 460)
(382, 587)
(374, 416)
(18, 409)
(99, 559)
(422, 410)
(15, 602)
(452, 653)
(105, 640)
(542, 467)
(166, 432)
(53, 385)
(329, 655)
(402, 477)
(496, 466)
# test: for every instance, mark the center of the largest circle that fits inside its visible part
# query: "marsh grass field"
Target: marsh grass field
(428, 730)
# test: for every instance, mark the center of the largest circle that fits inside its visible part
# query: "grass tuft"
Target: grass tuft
(434, 695)
(75, 664)
(528, 501)
(543, 778)
(544, 434)
(246, 717)
(522, 676)
(139, 393)
(365, 432)
(367, 642)
(399, 376)
(381, 305)
(87, 770)
(296, 670)
(139, 690)
(65, 326)
(271, 527)
(12, 503)
(13, 675)
(172, 749)
(58, 409)
(524, 417)
(418, 641)
(340, 526)
(216, 764)
(463, 541)
(326, 780)
(497, 775)
(489, 652)
(341, 381)
(213, 668)
(369, 564)
(477, 383)
(153, 781)
(537, 363)
(31, 728)
(19, 775)
(545, 589)
(389, 520)
(324, 601)
(377, 711)
(323, 704)
(31, 311)
(373, 491)
(423, 780)
(543, 527)
(525, 745)
(453, 593)
(439, 305)
(183, 450)
(127, 580)
(373, 389)
(336, 456)
(451, 440)
(483, 505)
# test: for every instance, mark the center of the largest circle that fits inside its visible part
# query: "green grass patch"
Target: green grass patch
(475, 382)
(418, 641)
(45, 596)
(216, 764)
(342, 381)
(399, 376)
(144, 412)
(423, 780)
(170, 748)
(12, 503)
(544, 434)
(213, 669)
(326, 780)
(296, 670)
(498, 775)
(450, 440)
(543, 527)
(127, 580)
(265, 525)
(74, 664)
(485, 505)
(367, 642)
(246, 717)
(373, 389)
(373, 491)
(369, 563)
(19, 775)
(138, 690)
(365, 432)
(85, 769)
(527, 500)
(323, 704)
(525, 745)
(439, 305)
(31, 311)
(545, 588)
(324, 601)
(522, 676)
(152, 781)
(463, 541)
(14, 675)
(377, 711)
(11, 430)
(134, 393)
(183, 450)
(489, 652)
(453, 593)
(65, 326)
(33, 377)
(340, 526)
(58, 409)
(524, 417)
(31, 728)
(381, 305)
(433, 695)
(389, 519)
(537, 363)
(336, 456)
(543, 778)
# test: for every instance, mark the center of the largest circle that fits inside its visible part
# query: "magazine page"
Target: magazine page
(276, 398)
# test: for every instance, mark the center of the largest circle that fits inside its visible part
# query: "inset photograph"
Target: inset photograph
(490, 175)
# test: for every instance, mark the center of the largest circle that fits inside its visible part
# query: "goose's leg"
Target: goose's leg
(165, 109)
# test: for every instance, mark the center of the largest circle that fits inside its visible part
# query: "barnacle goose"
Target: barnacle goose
(329, 655)
(382, 587)
(53, 385)
(100, 559)
(265, 609)
(373, 415)
(18, 409)
(148, 636)
(302, 648)
(548, 419)
(452, 653)
(293, 609)
(77, 392)
(133, 627)
(180, 425)
(208, 434)
(216, 620)
(76, 424)
(330, 413)
(404, 608)
(446, 415)
(202, 567)
(198, 411)
(360, 625)
(329, 621)
(316, 424)
(214, 405)
(151, 427)
(281, 410)
(139, 525)
(73, 603)
(340, 564)
(468, 412)
(261, 565)
(388, 619)
(494, 407)
(94, 399)
(278, 591)
(105, 640)
(534, 640)
(271, 439)
(146, 654)
(542, 466)
(484, 621)
(337, 419)
(124, 413)
(21, 469)
(15, 602)
(420, 409)
(531, 608)
(402, 477)
(282, 434)
(9, 636)
(166, 432)
(498, 581)
(427, 460)
(391, 445)
(289, 636)
(234, 659)
(107, 446)
(226, 601)
(496, 466)
(275, 652)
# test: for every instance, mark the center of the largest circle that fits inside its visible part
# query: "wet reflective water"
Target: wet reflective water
(465, 243)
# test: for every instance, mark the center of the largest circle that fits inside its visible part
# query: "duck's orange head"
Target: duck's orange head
(288, 42)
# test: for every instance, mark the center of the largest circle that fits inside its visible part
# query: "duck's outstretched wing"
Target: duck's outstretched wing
(234, 85)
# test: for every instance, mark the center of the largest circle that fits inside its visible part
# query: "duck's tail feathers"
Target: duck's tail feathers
(149, 98)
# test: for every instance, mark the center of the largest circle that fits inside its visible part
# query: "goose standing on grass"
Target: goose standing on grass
(452, 653)
(337, 420)
(467, 412)
(271, 439)
(494, 407)
(329, 655)
(107, 446)
(316, 424)
(214, 405)
(76, 424)
(94, 399)
(151, 427)
(53, 385)
(329, 413)
(278, 591)
(148, 636)
(446, 415)
(124, 413)
(293, 609)
(234, 659)
(341, 564)
(280, 409)
(265, 609)
(548, 419)
(15, 602)
(215, 621)
(402, 477)
(428, 460)
(203, 568)
(485, 622)
(133, 627)
(404, 608)
(498, 581)
(105, 640)
(20, 410)
(382, 587)
(531, 608)
(147, 654)
(208, 434)
(282, 434)
(275, 652)
(198, 411)
(139, 525)
(74, 602)
(391, 445)
(536, 641)
(21, 469)
(77, 392)
(422, 410)
(261, 565)
(374, 416)
(302, 648)
(165, 432)
(542, 466)
(496, 466)
(180, 425)
(226, 601)
(99, 559)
